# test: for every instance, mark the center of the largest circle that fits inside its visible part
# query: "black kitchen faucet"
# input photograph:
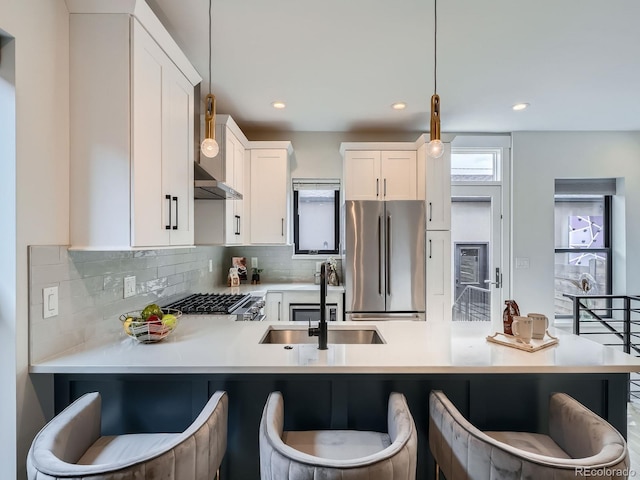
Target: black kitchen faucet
(321, 330)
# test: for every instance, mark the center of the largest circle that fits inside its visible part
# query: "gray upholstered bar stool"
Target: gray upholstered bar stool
(70, 446)
(338, 454)
(580, 444)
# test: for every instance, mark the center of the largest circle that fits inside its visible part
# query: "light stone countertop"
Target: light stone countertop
(216, 344)
(277, 287)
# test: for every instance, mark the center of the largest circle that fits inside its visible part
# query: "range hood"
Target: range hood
(206, 187)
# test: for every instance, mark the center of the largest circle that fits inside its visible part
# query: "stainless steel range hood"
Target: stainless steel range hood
(206, 187)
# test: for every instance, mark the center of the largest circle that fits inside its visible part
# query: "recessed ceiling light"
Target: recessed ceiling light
(279, 105)
(520, 106)
(399, 106)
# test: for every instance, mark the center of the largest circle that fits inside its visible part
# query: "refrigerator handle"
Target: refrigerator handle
(380, 255)
(388, 263)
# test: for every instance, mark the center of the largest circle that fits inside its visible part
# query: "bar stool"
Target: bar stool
(338, 454)
(580, 444)
(70, 445)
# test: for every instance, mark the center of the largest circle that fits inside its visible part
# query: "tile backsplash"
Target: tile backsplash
(91, 287)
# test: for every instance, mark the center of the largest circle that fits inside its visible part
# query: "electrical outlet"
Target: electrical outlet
(50, 302)
(210, 266)
(129, 286)
(522, 263)
(254, 262)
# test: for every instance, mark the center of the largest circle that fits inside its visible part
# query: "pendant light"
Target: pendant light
(435, 148)
(209, 146)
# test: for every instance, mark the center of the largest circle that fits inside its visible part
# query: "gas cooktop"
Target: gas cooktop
(244, 307)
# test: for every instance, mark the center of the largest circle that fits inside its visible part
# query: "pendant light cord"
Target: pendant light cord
(210, 2)
(435, 46)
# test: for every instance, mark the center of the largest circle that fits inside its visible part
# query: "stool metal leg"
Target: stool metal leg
(437, 471)
(217, 475)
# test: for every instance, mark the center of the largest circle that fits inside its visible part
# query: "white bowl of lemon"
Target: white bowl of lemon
(151, 324)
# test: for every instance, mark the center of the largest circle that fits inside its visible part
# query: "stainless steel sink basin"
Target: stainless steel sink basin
(338, 336)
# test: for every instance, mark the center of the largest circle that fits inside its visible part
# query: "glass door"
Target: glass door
(476, 236)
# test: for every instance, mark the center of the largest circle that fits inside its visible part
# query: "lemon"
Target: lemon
(169, 320)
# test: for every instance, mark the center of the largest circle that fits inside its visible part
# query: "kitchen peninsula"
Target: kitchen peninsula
(160, 386)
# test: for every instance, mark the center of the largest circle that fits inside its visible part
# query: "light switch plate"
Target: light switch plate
(129, 286)
(254, 262)
(522, 263)
(50, 302)
(210, 265)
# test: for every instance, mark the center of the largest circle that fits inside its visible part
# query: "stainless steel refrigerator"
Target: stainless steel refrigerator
(384, 260)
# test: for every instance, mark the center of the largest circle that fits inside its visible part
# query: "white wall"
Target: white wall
(41, 32)
(538, 159)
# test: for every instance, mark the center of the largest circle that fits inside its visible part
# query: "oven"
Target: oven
(310, 312)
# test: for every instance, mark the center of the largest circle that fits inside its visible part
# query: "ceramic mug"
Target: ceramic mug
(522, 328)
(540, 325)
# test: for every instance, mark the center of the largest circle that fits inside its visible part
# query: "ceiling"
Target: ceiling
(340, 64)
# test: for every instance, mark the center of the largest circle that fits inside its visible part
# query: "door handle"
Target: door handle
(175, 199)
(168, 197)
(498, 281)
(388, 254)
(380, 255)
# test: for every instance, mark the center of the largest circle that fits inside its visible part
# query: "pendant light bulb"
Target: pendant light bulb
(209, 147)
(435, 148)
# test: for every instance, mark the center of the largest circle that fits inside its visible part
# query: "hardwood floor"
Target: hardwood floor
(633, 435)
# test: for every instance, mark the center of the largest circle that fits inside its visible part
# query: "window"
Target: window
(316, 214)
(475, 164)
(583, 249)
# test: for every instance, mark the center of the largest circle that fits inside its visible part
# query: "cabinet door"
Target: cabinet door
(269, 196)
(238, 205)
(362, 175)
(149, 207)
(273, 308)
(177, 153)
(398, 174)
(438, 275)
(438, 190)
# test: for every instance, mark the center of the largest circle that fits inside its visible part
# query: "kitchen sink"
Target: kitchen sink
(366, 336)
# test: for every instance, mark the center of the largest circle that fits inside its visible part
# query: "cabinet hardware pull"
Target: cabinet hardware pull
(239, 225)
(377, 187)
(430, 211)
(282, 227)
(175, 199)
(385, 187)
(237, 229)
(168, 227)
(430, 248)
(279, 310)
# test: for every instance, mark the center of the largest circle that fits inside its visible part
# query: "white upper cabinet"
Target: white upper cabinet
(380, 175)
(434, 186)
(270, 195)
(132, 132)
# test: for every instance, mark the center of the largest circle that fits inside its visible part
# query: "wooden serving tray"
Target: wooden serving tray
(533, 346)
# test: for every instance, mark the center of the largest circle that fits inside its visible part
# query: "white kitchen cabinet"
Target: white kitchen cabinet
(380, 175)
(132, 129)
(438, 284)
(434, 186)
(233, 158)
(270, 196)
(274, 307)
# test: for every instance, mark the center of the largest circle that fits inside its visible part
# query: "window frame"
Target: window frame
(607, 222)
(296, 228)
